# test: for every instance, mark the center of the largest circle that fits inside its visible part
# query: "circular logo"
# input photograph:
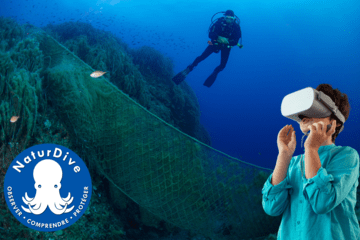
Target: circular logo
(47, 187)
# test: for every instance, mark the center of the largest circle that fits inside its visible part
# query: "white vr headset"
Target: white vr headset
(309, 102)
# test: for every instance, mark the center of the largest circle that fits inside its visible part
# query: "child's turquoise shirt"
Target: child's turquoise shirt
(319, 208)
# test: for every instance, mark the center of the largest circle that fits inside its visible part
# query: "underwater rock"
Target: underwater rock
(144, 74)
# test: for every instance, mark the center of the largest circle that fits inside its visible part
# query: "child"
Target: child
(316, 191)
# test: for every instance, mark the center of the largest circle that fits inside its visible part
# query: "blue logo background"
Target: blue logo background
(71, 182)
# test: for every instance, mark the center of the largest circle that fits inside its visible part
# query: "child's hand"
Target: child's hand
(318, 135)
(287, 142)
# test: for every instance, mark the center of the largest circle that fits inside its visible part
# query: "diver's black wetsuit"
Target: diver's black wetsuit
(223, 29)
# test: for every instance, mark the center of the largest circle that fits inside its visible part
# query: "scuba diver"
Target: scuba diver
(224, 33)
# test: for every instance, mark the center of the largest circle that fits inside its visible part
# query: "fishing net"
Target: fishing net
(165, 171)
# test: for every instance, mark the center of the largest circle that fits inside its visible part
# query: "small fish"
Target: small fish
(14, 119)
(210, 43)
(97, 74)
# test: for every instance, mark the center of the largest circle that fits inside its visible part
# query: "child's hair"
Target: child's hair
(341, 101)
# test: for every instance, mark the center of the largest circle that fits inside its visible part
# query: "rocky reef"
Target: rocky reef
(143, 74)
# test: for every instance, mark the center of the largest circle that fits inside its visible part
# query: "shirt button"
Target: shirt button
(300, 201)
(298, 222)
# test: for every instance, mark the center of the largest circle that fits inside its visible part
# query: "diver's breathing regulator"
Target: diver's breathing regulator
(236, 20)
(309, 102)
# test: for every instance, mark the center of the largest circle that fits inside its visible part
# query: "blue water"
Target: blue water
(287, 47)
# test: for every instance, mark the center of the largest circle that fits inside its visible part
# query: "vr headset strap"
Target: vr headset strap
(328, 102)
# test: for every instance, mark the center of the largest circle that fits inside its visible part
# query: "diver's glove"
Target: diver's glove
(222, 40)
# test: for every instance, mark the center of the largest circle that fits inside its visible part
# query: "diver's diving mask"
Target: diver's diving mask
(310, 103)
(229, 19)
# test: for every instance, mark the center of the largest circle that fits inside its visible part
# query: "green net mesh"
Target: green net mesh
(167, 172)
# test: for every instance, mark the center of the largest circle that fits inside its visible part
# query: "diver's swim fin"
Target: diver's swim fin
(210, 80)
(181, 76)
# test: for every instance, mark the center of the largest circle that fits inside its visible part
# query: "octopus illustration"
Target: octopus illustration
(47, 175)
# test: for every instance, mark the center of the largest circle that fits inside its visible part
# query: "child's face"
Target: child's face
(307, 122)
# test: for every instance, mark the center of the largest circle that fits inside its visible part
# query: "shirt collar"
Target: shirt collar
(326, 147)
